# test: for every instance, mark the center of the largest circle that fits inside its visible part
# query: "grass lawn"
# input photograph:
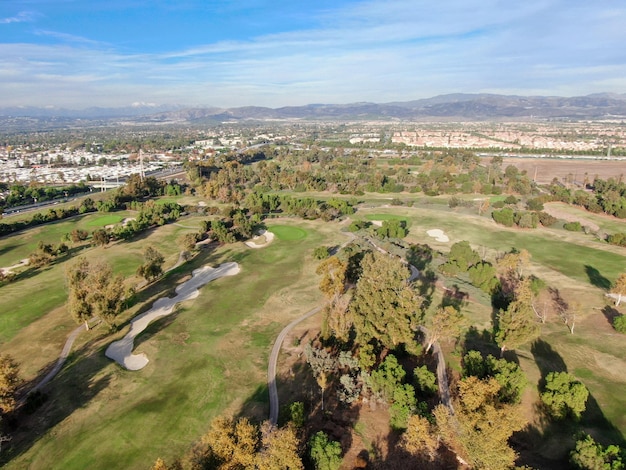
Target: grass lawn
(286, 232)
(210, 357)
(607, 223)
(104, 220)
(21, 309)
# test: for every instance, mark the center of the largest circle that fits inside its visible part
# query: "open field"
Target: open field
(210, 356)
(559, 168)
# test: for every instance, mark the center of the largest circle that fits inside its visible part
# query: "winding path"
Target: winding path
(62, 358)
(271, 368)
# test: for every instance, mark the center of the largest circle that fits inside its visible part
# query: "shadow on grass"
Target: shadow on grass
(547, 444)
(611, 314)
(596, 278)
(56, 401)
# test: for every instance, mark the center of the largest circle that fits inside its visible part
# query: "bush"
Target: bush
(546, 219)
(504, 217)
(619, 323)
(618, 239)
(573, 226)
(321, 252)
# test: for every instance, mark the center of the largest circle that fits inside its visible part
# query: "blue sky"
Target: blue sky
(81, 53)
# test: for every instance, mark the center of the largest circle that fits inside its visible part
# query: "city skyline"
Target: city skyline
(78, 54)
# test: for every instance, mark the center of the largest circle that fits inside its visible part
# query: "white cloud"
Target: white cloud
(21, 17)
(374, 51)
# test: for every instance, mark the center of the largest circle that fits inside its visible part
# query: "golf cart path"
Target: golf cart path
(271, 368)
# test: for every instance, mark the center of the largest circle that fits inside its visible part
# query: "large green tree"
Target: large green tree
(385, 307)
(564, 395)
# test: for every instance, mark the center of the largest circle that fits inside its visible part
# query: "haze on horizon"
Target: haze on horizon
(80, 53)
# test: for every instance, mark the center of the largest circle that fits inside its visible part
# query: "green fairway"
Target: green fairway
(20, 309)
(104, 220)
(209, 357)
(287, 232)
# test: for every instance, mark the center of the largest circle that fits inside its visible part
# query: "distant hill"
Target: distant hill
(443, 107)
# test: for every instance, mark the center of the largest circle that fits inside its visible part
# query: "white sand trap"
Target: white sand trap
(264, 238)
(10, 269)
(377, 223)
(438, 235)
(121, 351)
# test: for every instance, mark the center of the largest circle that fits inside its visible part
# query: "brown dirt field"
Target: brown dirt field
(548, 168)
(555, 211)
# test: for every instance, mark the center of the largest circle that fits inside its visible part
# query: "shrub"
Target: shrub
(504, 217)
(321, 252)
(619, 323)
(618, 239)
(573, 226)
(546, 219)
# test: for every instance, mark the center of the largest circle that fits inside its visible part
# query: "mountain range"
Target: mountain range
(444, 107)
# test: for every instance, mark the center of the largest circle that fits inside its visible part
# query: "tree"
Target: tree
(159, 465)
(187, 242)
(619, 288)
(153, 264)
(420, 439)
(483, 276)
(100, 237)
(322, 363)
(481, 425)
(94, 292)
(425, 380)
(9, 382)
(564, 395)
(447, 323)
(385, 308)
(516, 326)
(279, 449)
(333, 272)
(392, 228)
(231, 444)
(508, 374)
(326, 454)
(387, 377)
(589, 455)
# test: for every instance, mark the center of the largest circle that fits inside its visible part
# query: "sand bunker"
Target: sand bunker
(9, 270)
(264, 238)
(121, 351)
(438, 235)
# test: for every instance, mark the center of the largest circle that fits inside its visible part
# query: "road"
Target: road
(271, 368)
